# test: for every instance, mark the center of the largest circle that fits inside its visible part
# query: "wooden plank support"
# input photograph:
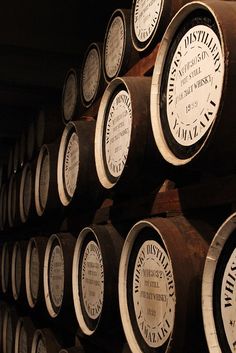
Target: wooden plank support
(216, 192)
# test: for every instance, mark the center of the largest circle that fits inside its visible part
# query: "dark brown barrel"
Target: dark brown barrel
(18, 271)
(149, 20)
(193, 87)
(92, 82)
(34, 272)
(57, 275)
(16, 156)
(218, 289)
(3, 308)
(95, 282)
(76, 174)
(119, 54)
(13, 200)
(3, 206)
(77, 347)
(46, 194)
(24, 335)
(44, 341)
(6, 255)
(123, 140)
(23, 148)
(48, 126)
(10, 200)
(160, 278)
(70, 95)
(72, 350)
(9, 330)
(27, 184)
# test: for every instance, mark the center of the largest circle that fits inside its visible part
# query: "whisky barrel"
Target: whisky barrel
(119, 54)
(70, 95)
(13, 200)
(193, 86)
(149, 20)
(3, 308)
(44, 341)
(24, 335)
(46, 190)
(123, 139)
(16, 156)
(218, 289)
(6, 255)
(9, 329)
(95, 278)
(3, 206)
(72, 350)
(48, 126)
(18, 271)
(27, 184)
(23, 148)
(34, 272)
(76, 174)
(78, 347)
(160, 278)
(92, 81)
(57, 274)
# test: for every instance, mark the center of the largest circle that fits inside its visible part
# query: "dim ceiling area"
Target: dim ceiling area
(39, 42)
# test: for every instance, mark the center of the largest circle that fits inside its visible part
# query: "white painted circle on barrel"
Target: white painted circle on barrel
(71, 166)
(146, 17)
(5, 268)
(147, 305)
(91, 75)
(34, 273)
(25, 193)
(154, 294)
(70, 96)
(194, 85)
(16, 270)
(207, 45)
(228, 300)
(56, 276)
(118, 133)
(44, 181)
(92, 280)
(208, 298)
(114, 47)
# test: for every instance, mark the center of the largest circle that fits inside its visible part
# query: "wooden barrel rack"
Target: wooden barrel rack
(187, 213)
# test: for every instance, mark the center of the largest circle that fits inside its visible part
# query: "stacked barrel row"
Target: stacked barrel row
(130, 34)
(17, 190)
(165, 284)
(20, 333)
